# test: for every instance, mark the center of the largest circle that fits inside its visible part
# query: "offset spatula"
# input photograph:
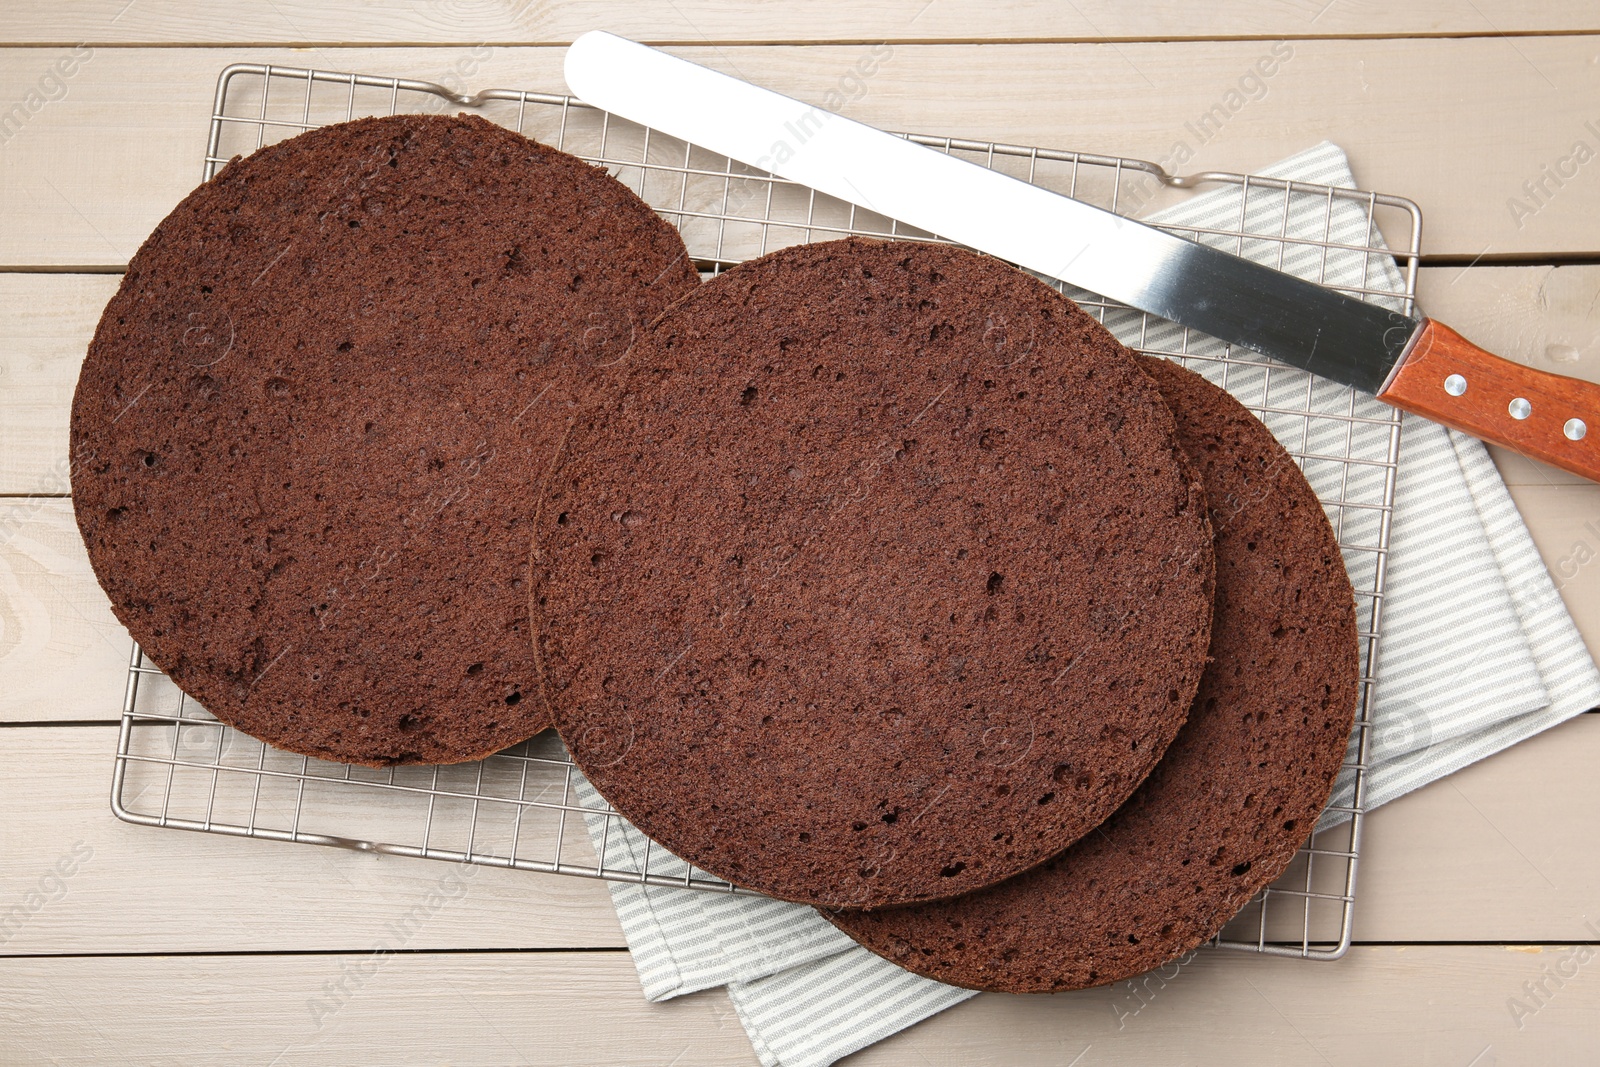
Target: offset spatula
(1415, 364)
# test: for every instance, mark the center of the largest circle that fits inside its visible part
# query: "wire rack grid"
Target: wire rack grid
(527, 808)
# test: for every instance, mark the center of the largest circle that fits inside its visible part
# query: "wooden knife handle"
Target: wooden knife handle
(1449, 379)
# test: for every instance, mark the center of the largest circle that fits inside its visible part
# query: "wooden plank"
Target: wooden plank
(1387, 1004)
(127, 891)
(63, 655)
(694, 21)
(1543, 316)
(1416, 116)
(1487, 853)
(46, 321)
(1480, 856)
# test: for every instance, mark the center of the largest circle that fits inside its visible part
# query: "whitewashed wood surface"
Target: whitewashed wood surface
(163, 947)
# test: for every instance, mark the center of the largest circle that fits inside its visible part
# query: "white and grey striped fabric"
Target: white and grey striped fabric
(1478, 652)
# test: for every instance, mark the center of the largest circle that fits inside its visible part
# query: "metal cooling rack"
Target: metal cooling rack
(524, 808)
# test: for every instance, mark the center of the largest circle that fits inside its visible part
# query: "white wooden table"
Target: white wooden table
(130, 945)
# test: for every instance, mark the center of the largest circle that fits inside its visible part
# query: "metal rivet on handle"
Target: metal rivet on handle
(1520, 408)
(1455, 385)
(1574, 429)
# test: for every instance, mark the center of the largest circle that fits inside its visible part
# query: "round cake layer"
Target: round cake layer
(1239, 789)
(308, 426)
(880, 580)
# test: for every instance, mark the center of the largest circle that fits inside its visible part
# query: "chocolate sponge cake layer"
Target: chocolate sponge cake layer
(879, 580)
(306, 431)
(1236, 793)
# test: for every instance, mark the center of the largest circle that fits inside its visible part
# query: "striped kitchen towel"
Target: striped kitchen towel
(1478, 652)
